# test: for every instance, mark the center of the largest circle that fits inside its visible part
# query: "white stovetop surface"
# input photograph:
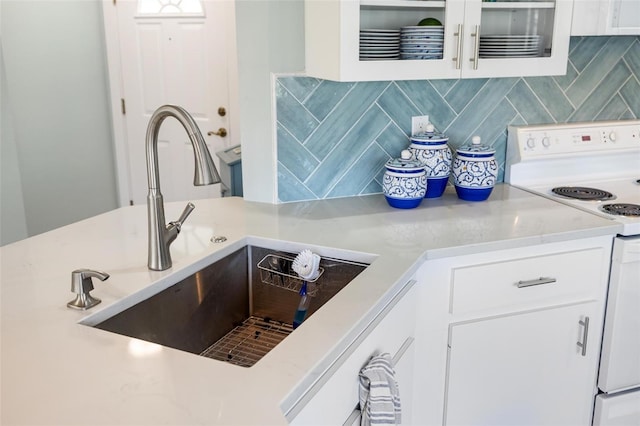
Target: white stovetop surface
(56, 371)
(625, 189)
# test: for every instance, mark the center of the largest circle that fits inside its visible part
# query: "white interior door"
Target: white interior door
(172, 52)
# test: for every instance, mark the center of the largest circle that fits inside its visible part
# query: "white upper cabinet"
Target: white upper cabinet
(606, 17)
(481, 39)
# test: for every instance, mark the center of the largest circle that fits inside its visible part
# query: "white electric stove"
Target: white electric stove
(591, 166)
(595, 167)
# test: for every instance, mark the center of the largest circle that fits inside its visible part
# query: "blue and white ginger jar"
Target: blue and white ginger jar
(405, 182)
(431, 149)
(475, 171)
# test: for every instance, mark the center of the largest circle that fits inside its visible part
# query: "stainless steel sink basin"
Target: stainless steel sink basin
(232, 310)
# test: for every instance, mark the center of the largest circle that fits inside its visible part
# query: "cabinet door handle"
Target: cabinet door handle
(476, 47)
(459, 40)
(585, 334)
(355, 414)
(537, 281)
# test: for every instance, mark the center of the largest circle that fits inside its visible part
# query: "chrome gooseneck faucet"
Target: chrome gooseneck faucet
(160, 235)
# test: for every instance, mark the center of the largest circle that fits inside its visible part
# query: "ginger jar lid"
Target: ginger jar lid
(476, 149)
(429, 137)
(405, 164)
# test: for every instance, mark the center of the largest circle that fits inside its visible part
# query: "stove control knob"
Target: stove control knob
(546, 142)
(612, 136)
(531, 143)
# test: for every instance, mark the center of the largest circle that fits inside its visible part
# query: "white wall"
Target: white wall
(61, 168)
(270, 39)
(57, 96)
(13, 225)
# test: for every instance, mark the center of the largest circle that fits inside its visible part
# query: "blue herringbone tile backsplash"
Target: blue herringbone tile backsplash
(334, 138)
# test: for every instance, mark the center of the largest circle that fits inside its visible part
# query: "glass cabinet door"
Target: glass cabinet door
(373, 40)
(517, 38)
(411, 37)
(411, 31)
(516, 32)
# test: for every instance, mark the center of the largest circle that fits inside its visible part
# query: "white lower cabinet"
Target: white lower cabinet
(512, 337)
(333, 400)
(523, 369)
(509, 337)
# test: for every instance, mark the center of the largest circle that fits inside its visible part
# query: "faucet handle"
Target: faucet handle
(185, 214)
(82, 285)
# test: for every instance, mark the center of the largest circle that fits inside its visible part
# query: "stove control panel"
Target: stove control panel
(574, 138)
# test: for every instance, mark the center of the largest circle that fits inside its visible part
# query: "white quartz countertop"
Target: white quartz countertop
(57, 371)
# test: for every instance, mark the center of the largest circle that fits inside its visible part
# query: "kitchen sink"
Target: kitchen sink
(236, 309)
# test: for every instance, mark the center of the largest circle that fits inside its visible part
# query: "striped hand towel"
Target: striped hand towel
(379, 395)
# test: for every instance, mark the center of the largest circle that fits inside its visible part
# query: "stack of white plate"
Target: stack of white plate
(421, 42)
(379, 45)
(511, 46)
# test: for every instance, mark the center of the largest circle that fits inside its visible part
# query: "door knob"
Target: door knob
(222, 111)
(222, 132)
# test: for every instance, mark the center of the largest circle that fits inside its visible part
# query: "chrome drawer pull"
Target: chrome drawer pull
(585, 334)
(539, 281)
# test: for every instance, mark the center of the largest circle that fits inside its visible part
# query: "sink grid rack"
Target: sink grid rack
(249, 341)
(276, 270)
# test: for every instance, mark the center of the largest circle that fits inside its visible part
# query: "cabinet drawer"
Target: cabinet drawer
(527, 282)
(336, 399)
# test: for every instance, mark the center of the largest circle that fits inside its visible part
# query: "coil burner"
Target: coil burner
(622, 209)
(583, 193)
